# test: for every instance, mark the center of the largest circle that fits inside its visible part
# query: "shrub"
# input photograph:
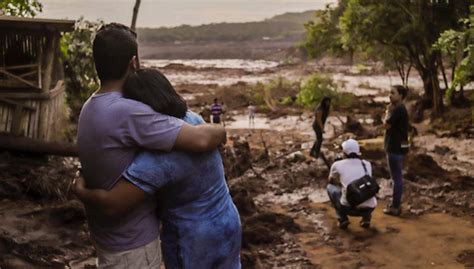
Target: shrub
(318, 86)
(80, 75)
(276, 92)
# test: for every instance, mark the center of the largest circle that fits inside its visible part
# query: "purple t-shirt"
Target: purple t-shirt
(110, 132)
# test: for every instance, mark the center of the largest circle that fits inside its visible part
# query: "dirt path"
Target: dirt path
(429, 241)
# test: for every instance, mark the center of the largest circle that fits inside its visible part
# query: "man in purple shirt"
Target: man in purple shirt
(111, 130)
(216, 111)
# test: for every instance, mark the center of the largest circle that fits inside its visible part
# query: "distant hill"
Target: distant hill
(298, 17)
(288, 26)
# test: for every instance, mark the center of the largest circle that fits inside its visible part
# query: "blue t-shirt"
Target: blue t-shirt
(201, 225)
(111, 130)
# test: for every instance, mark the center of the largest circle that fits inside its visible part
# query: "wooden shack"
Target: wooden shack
(32, 89)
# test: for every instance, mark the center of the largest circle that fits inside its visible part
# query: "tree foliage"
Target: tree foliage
(20, 8)
(409, 28)
(81, 76)
(323, 35)
(458, 47)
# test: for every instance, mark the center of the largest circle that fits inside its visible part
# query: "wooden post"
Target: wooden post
(51, 43)
(40, 67)
(16, 123)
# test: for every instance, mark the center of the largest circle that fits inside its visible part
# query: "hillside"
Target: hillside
(288, 26)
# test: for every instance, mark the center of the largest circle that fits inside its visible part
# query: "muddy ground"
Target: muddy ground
(279, 190)
(257, 49)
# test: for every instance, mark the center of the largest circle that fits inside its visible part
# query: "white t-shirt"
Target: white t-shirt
(348, 170)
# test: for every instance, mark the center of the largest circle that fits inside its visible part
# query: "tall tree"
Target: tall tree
(409, 27)
(20, 8)
(457, 48)
(323, 35)
(135, 14)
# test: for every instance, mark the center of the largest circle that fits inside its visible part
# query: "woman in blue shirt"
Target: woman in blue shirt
(201, 225)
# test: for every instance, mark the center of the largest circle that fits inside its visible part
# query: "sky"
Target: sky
(158, 13)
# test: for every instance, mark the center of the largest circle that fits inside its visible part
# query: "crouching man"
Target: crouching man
(341, 174)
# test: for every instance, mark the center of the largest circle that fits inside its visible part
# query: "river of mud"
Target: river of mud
(277, 187)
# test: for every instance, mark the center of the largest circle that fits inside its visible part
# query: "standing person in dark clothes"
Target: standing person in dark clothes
(216, 110)
(396, 144)
(320, 115)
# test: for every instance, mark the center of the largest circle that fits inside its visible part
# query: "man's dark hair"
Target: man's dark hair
(352, 155)
(151, 87)
(113, 48)
(403, 91)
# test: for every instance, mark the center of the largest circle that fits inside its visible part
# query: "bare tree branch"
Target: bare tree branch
(135, 14)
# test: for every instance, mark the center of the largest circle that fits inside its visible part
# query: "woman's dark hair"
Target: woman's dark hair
(403, 91)
(326, 102)
(151, 87)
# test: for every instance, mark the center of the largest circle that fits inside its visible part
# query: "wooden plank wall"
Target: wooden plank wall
(57, 116)
(5, 118)
(29, 121)
(50, 114)
(29, 45)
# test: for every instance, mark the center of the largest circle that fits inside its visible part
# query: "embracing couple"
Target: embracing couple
(146, 159)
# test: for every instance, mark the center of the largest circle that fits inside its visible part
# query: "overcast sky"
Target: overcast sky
(156, 13)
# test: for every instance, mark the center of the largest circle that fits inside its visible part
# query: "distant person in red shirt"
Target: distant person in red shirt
(216, 111)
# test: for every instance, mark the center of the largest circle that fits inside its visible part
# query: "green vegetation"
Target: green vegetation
(323, 36)
(399, 33)
(281, 92)
(458, 48)
(20, 8)
(81, 77)
(318, 86)
(277, 92)
(288, 25)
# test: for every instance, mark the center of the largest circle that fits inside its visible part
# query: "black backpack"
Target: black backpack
(362, 189)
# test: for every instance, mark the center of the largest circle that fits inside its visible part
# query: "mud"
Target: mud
(277, 187)
(270, 50)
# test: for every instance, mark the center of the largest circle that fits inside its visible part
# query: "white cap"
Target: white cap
(350, 146)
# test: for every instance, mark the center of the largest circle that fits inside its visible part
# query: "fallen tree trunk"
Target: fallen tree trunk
(24, 144)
